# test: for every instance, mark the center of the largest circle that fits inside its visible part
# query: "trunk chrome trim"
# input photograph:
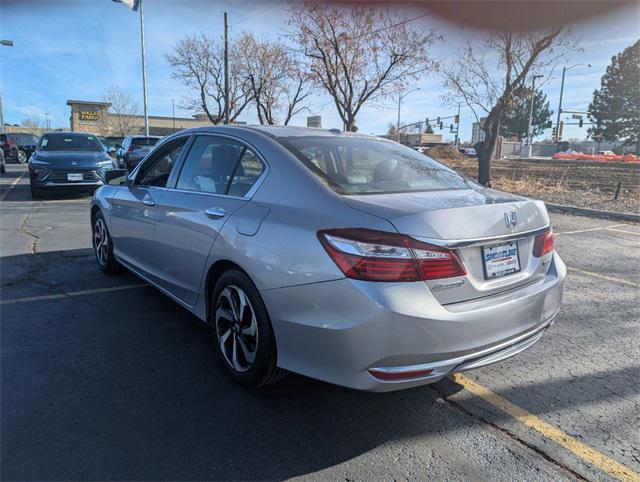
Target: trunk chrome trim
(464, 243)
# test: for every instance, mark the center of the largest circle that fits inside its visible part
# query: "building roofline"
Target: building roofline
(87, 102)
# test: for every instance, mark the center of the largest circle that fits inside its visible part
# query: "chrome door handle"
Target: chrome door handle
(215, 213)
(149, 202)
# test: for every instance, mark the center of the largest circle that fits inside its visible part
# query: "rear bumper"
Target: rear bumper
(340, 330)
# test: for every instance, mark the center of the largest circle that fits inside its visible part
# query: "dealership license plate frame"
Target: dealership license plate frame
(75, 176)
(489, 273)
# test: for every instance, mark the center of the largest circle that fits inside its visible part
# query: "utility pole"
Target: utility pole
(533, 99)
(564, 71)
(226, 70)
(5, 43)
(144, 72)
(457, 139)
(173, 114)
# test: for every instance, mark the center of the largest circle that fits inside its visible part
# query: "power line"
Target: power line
(260, 12)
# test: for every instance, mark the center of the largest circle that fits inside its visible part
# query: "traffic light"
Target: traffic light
(560, 130)
(441, 124)
(426, 121)
(451, 128)
(438, 121)
(554, 134)
(580, 122)
(457, 119)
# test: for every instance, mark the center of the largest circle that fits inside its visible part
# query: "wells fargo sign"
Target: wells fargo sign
(89, 115)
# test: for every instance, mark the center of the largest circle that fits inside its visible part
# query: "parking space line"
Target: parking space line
(608, 278)
(623, 231)
(588, 230)
(12, 185)
(583, 451)
(71, 294)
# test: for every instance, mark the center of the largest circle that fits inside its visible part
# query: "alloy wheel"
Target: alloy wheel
(237, 328)
(101, 241)
(22, 157)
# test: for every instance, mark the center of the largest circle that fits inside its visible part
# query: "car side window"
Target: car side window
(156, 170)
(210, 165)
(246, 174)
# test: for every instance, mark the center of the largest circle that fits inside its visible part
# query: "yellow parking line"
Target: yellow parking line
(608, 278)
(58, 296)
(11, 186)
(590, 455)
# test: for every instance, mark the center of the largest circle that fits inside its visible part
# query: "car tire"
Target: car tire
(21, 156)
(244, 342)
(36, 193)
(103, 246)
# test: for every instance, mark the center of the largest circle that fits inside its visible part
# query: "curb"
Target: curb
(594, 213)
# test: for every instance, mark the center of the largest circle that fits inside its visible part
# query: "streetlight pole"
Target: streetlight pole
(5, 43)
(173, 114)
(226, 70)
(564, 71)
(400, 97)
(144, 71)
(533, 99)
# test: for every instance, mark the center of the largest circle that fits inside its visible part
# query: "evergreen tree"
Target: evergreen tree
(516, 120)
(615, 110)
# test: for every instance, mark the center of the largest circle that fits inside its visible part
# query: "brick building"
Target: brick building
(94, 117)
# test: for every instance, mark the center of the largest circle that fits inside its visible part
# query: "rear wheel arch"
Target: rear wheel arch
(216, 270)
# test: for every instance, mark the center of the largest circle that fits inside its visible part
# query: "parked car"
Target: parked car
(112, 143)
(18, 146)
(3, 167)
(134, 149)
(68, 161)
(470, 152)
(339, 256)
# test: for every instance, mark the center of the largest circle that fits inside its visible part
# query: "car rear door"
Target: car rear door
(216, 179)
(134, 209)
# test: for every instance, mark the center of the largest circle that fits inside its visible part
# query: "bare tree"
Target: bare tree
(277, 83)
(122, 111)
(358, 54)
(486, 77)
(198, 62)
(32, 123)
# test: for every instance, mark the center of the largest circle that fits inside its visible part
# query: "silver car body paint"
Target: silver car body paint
(328, 326)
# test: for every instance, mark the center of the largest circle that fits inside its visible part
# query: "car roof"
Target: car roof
(278, 131)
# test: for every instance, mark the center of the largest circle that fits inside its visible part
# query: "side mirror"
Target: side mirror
(115, 177)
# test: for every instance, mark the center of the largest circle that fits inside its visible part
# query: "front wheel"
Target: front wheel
(103, 246)
(242, 332)
(22, 156)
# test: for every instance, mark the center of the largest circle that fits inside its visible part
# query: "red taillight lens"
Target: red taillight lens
(543, 244)
(371, 255)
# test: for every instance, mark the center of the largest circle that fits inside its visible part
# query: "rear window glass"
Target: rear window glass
(144, 141)
(70, 142)
(23, 139)
(369, 166)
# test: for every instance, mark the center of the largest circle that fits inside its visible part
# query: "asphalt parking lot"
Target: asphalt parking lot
(105, 378)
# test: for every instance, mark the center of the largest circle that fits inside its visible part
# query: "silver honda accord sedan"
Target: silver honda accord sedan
(342, 257)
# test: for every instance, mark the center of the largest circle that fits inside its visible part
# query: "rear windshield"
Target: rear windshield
(70, 142)
(369, 166)
(23, 139)
(144, 141)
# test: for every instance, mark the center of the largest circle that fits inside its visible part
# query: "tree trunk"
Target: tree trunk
(484, 149)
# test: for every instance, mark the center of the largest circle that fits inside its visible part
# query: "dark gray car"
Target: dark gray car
(68, 161)
(134, 149)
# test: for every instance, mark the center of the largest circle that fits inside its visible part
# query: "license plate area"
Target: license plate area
(74, 176)
(500, 260)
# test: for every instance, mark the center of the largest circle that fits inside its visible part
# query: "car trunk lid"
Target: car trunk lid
(470, 221)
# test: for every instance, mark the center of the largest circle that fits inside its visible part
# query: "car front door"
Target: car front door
(216, 179)
(134, 209)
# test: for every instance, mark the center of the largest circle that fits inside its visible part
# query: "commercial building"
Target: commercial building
(477, 134)
(95, 117)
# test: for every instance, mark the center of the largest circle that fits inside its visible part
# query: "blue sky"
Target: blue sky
(75, 49)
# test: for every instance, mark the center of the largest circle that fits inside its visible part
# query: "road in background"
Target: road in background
(110, 379)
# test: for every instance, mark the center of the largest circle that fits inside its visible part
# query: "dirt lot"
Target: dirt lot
(572, 183)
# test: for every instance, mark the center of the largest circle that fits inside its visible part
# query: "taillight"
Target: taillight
(370, 255)
(543, 243)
